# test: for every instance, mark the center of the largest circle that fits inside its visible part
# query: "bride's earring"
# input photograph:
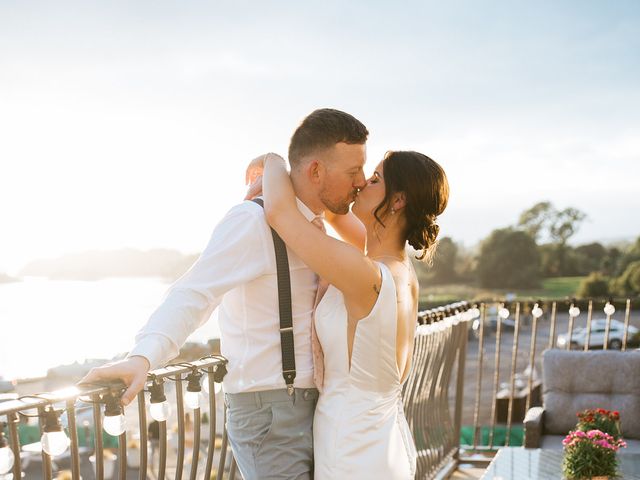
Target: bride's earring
(393, 211)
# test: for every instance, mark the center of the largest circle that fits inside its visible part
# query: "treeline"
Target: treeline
(536, 247)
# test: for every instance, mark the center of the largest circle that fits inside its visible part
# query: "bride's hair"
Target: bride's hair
(426, 191)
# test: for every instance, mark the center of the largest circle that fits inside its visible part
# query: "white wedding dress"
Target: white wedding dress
(359, 429)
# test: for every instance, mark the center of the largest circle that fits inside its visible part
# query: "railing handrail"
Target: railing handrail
(29, 402)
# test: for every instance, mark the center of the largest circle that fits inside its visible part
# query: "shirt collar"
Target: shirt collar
(306, 211)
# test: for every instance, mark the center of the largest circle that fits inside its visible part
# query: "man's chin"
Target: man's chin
(340, 209)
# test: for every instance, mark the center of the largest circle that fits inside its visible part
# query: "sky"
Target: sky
(129, 124)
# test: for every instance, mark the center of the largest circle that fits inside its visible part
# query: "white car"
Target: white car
(596, 338)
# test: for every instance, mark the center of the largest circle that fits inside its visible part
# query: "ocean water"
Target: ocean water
(45, 323)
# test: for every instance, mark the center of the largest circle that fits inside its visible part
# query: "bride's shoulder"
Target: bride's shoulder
(401, 272)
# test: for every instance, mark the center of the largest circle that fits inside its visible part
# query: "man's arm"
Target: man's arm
(236, 253)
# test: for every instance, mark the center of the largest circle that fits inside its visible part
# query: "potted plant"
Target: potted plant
(600, 419)
(590, 451)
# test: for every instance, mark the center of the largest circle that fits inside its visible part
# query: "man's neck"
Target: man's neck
(306, 195)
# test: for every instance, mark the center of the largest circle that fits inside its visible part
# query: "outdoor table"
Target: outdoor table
(518, 463)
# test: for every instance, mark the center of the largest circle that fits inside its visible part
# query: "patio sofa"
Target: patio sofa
(573, 381)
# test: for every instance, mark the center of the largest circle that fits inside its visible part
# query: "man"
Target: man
(269, 427)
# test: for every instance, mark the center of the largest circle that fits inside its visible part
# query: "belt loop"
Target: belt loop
(258, 399)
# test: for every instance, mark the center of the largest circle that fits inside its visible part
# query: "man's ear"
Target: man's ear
(314, 171)
(399, 200)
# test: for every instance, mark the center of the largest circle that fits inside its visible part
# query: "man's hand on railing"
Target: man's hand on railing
(132, 371)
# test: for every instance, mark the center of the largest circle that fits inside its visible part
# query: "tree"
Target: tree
(444, 262)
(632, 254)
(535, 220)
(543, 220)
(611, 261)
(589, 258)
(629, 282)
(594, 286)
(564, 224)
(509, 259)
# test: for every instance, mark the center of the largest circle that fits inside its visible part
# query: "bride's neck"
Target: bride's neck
(383, 242)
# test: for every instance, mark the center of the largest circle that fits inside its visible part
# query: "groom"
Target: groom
(269, 428)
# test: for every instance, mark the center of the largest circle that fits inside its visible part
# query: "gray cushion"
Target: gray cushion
(577, 380)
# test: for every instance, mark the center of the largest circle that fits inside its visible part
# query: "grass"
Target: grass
(551, 288)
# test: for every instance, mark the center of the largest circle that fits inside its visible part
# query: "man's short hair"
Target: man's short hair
(322, 129)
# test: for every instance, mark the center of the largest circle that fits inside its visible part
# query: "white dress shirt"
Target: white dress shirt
(237, 273)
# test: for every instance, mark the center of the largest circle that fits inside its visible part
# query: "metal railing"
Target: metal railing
(439, 350)
(508, 382)
(455, 380)
(49, 406)
(440, 344)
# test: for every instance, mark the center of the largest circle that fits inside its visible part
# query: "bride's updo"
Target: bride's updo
(426, 191)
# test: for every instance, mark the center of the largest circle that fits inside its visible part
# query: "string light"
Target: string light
(192, 397)
(160, 408)
(54, 441)
(609, 309)
(114, 422)
(536, 311)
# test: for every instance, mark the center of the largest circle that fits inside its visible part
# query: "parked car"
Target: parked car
(596, 338)
(492, 320)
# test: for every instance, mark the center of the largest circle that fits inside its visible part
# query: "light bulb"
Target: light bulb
(160, 411)
(160, 408)
(114, 422)
(574, 311)
(6, 460)
(536, 312)
(192, 400)
(114, 425)
(54, 443)
(504, 313)
(609, 309)
(192, 397)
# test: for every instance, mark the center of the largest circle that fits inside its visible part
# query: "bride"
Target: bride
(365, 322)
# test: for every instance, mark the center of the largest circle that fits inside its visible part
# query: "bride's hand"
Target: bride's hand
(253, 175)
(255, 189)
(256, 167)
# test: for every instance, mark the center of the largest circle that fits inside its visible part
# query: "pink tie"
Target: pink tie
(316, 348)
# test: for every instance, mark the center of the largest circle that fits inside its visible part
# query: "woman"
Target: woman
(366, 320)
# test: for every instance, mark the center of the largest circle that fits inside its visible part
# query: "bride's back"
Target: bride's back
(407, 292)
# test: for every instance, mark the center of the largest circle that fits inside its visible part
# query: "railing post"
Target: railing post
(12, 420)
(73, 434)
(462, 356)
